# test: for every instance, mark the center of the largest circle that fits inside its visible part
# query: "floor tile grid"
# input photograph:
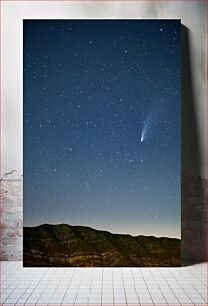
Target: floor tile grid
(187, 283)
(185, 287)
(28, 283)
(85, 285)
(176, 283)
(70, 299)
(156, 293)
(131, 290)
(107, 291)
(108, 287)
(120, 297)
(172, 291)
(41, 293)
(71, 295)
(6, 287)
(146, 297)
(24, 286)
(96, 286)
(125, 278)
(203, 289)
(76, 290)
(166, 293)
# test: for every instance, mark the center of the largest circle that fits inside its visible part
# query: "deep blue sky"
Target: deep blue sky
(93, 89)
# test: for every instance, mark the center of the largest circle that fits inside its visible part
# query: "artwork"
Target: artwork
(102, 142)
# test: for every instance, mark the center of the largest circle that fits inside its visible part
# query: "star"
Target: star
(89, 91)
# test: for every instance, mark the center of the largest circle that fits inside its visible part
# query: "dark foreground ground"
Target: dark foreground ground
(78, 246)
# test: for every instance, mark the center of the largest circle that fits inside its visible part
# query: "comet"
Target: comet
(142, 137)
(144, 131)
(151, 118)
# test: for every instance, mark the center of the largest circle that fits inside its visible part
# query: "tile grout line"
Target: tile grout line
(147, 287)
(135, 286)
(123, 285)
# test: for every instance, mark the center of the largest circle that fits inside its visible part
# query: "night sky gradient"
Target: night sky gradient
(102, 125)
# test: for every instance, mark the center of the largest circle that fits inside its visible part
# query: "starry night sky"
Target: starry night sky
(102, 124)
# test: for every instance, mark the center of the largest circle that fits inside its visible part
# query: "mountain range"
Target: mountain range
(64, 245)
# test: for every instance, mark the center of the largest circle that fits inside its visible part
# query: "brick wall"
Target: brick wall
(11, 210)
(194, 217)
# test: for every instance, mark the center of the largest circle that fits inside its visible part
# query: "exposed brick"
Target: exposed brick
(11, 216)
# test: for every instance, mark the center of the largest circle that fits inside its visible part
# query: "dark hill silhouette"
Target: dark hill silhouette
(80, 246)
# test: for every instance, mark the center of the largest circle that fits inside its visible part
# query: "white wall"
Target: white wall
(194, 107)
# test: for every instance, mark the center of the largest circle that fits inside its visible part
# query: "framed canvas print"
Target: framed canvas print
(102, 143)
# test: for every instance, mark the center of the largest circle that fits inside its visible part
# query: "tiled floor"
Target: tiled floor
(103, 286)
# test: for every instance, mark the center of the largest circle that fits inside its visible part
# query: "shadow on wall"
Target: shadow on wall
(194, 223)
